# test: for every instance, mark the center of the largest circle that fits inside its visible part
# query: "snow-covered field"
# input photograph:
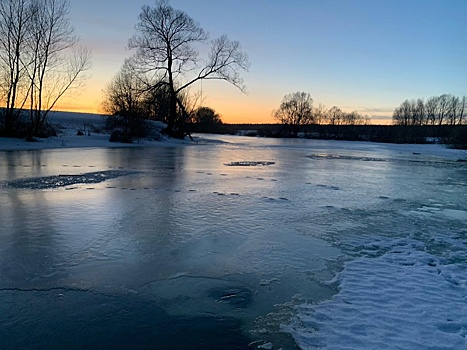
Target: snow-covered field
(234, 241)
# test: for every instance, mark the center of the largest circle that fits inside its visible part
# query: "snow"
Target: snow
(69, 124)
(395, 301)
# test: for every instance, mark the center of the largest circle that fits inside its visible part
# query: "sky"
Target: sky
(362, 55)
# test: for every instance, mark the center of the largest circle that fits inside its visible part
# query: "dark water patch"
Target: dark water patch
(63, 319)
(249, 163)
(48, 182)
(335, 188)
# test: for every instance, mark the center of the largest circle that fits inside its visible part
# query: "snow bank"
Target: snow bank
(404, 299)
(68, 125)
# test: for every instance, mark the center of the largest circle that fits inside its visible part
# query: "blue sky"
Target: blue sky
(364, 55)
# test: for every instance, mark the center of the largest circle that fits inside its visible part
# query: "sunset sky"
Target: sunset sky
(364, 55)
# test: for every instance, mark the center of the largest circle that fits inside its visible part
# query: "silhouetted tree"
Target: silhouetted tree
(124, 94)
(295, 111)
(15, 16)
(334, 116)
(39, 60)
(431, 110)
(166, 45)
(319, 114)
(52, 72)
(206, 115)
(461, 110)
(437, 110)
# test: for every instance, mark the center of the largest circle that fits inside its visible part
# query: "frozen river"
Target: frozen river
(234, 244)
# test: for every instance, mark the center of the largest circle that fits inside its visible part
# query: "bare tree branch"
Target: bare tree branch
(166, 46)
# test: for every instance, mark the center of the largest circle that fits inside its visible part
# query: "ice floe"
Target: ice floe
(48, 182)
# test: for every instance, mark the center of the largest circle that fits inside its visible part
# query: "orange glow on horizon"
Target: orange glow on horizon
(233, 107)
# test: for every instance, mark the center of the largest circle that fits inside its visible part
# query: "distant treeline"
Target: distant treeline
(437, 110)
(455, 135)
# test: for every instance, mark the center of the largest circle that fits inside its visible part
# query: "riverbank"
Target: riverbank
(78, 130)
(82, 130)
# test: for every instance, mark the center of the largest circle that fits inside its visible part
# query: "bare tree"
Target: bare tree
(320, 113)
(452, 109)
(442, 109)
(39, 60)
(461, 110)
(335, 116)
(295, 111)
(124, 94)
(419, 112)
(410, 113)
(55, 64)
(431, 110)
(14, 21)
(166, 44)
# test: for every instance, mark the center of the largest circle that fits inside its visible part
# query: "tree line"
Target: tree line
(437, 110)
(296, 113)
(40, 61)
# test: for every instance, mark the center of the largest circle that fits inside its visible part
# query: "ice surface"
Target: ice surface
(182, 235)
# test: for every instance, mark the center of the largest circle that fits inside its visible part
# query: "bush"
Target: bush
(130, 129)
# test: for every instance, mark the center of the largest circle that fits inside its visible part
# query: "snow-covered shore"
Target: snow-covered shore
(68, 125)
